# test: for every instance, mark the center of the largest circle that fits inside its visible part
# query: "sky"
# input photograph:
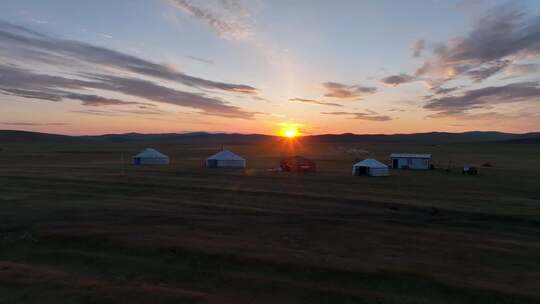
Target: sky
(255, 66)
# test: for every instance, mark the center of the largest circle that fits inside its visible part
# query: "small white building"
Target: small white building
(225, 159)
(150, 157)
(370, 167)
(411, 161)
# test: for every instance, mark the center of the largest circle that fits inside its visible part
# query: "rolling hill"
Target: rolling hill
(14, 136)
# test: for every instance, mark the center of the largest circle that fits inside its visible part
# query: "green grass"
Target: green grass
(77, 226)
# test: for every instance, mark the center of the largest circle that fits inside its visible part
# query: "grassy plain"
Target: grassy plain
(78, 226)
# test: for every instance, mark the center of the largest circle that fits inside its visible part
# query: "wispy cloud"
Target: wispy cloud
(520, 70)
(19, 43)
(20, 82)
(260, 98)
(343, 91)
(229, 19)
(24, 83)
(361, 116)
(313, 101)
(485, 116)
(21, 48)
(96, 101)
(22, 124)
(504, 35)
(396, 110)
(418, 48)
(396, 80)
(484, 98)
(442, 91)
(199, 59)
(103, 35)
(487, 70)
(154, 92)
(95, 112)
(30, 17)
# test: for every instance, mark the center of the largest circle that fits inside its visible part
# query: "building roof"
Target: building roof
(225, 155)
(371, 163)
(151, 153)
(409, 155)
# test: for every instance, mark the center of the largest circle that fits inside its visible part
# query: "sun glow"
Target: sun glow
(289, 130)
(290, 133)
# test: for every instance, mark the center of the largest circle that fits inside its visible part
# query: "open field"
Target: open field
(77, 226)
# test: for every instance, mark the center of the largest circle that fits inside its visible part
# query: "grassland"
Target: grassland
(79, 226)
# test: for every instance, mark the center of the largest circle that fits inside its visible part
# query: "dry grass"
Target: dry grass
(78, 227)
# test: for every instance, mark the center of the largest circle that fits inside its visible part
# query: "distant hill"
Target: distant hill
(13, 136)
(10, 136)
(431, 137)
(181, 137)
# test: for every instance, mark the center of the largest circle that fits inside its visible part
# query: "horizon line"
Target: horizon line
(273, 135)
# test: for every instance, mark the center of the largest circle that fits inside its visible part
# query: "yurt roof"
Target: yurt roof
(371, 163)
(225, 155)
(151, 153)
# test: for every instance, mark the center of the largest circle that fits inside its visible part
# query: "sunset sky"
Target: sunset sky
(152, 66)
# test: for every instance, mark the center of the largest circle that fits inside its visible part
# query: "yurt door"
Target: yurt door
(361, 170)
(212, 163)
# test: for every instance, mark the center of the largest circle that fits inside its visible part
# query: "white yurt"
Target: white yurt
(150, 157)
(225, 159)
(370, 167)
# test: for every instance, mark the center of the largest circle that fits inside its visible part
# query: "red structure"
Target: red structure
(297, 164)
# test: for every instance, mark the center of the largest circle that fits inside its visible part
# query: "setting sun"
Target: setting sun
(289, 130)
(290, 133)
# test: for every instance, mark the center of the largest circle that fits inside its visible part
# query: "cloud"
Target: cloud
(154, 92)
(231, 23)
(316, 102)
(520, 70)
(103, 35)
(505, 34)
(22, 44)
(58, 95)
(95, 112)
(199, 59)
(441, 91)
(487, 116)
(20, 82)
(35, 124)
(95, 100)
(396, 80)
(30, 17)
(361, 116)
(418, 47)
(27, 84)
(141, 111)
(94, 68)
(259, 98)
(461, 115)
(487, 70)
(343, 91)
(484, 98)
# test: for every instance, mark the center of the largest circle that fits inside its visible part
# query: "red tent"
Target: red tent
(298, 164)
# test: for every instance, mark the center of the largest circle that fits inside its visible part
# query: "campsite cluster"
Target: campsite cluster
(80, 225)
(228, 159)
